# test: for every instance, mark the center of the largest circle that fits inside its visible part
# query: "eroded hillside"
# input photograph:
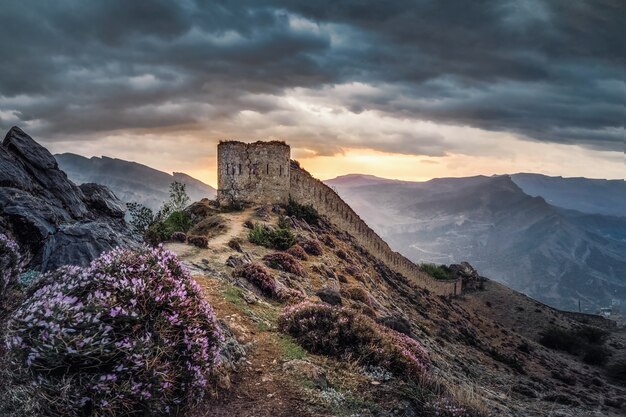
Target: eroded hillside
(482, 347)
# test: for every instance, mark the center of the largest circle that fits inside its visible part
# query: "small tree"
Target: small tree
(178, 199)
(171, 218)
(141, 217)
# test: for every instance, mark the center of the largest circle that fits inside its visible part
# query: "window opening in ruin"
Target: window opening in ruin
(239, 169)
(267, 169)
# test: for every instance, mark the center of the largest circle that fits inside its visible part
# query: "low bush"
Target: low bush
(560, 339)
(259, 276)
(235, 244)
(596, 355)
(592, 335)
(171, 218)
(585, 341)
(312, 247)
(341, 254)
(304, 212)
(297, 252)
(131, 334)
(436, 271)
(284, 262)
(343, 333)
(281, 238)
(177, 221)
(198, 241)
(357, 294)
(179, 237)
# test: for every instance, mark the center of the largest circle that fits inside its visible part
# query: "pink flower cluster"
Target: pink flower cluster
(259, 276)
(283, 261)
(130, 334)
(341, 332)
(9, 263)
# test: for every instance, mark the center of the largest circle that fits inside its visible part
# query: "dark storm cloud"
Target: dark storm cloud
(548, 70)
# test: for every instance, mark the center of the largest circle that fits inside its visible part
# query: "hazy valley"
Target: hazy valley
(555, 254)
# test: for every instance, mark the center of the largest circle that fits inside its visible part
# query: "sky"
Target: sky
(399, 89)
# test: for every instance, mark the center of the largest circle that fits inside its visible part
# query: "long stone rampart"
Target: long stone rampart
(305, 189)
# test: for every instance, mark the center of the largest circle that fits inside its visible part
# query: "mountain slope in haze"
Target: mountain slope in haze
(582, 194)
(130, 181)
(555, 255)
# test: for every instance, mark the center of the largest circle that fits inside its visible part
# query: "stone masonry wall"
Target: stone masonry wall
(305, 189)
(256, 172)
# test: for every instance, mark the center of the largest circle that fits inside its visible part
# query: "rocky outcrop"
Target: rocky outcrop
(54, 221)
(468, 274)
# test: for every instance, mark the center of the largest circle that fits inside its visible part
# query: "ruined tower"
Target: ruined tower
(253, 172)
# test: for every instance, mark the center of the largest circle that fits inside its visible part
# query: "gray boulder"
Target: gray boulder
(54, 221)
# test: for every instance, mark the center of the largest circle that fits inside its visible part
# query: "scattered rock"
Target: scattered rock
(329, 295)
(470, 277)
(234, 261)
(397, 323)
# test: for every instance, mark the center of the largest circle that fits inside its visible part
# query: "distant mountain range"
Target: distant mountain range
(130, 181)
(556, 239)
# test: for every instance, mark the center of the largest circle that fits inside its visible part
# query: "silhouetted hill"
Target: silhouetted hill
(555, 255)
(583, 194)
(130, 181)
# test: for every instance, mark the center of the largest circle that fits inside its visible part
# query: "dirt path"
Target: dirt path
(234, 228)
(260, 388)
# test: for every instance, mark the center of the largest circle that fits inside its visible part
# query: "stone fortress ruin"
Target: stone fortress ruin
(263, 173)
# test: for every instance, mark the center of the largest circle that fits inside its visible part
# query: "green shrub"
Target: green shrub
(280, 238)
(159, 227)
(178, 221)
(305, 212)
(436, 271)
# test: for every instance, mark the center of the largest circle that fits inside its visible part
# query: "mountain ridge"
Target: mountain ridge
(130, 181)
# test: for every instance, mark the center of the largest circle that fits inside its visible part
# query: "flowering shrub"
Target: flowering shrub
(312, 247)
(290, 295)
(129, 335)
(284, 262)
(341, 332)
(9, 264)
(258, 276)
(297, 252)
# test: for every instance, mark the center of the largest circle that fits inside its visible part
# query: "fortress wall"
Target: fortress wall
(305, 189)
(256, 172)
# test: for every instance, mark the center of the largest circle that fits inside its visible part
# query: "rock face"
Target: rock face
(54, 221)
(471, 279)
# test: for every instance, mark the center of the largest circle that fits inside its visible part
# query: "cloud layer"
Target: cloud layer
(394, 76)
